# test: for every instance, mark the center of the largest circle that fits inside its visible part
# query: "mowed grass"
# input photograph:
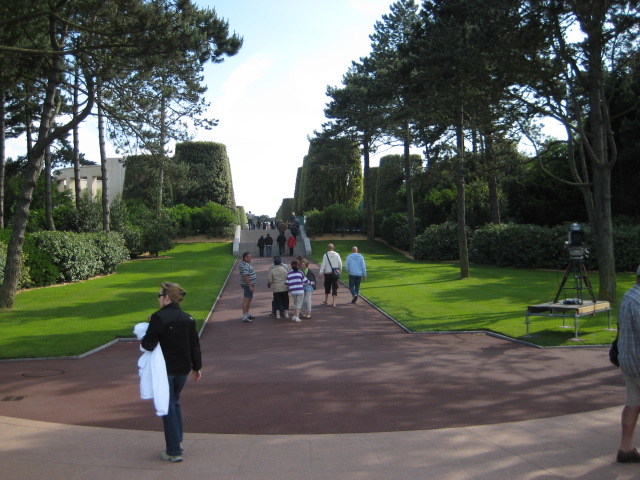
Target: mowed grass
(431, 297)
(75, 318)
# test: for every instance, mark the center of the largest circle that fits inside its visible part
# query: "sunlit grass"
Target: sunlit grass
(431, 297)
(73, 319)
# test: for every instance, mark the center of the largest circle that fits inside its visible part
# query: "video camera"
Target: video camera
(575, 244)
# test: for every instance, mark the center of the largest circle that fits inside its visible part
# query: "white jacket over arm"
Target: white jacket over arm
(154, 382)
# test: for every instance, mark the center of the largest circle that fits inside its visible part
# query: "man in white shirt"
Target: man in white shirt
(330, 269)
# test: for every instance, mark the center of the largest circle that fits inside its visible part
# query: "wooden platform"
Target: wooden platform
(564, 310)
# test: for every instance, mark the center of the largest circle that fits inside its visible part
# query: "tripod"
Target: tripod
(578, 271)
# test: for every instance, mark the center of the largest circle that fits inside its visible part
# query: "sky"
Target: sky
(270, 97)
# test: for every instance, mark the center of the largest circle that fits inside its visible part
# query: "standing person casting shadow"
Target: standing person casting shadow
(629, 358)
(175, 330)
(357, 269)
(331, 262)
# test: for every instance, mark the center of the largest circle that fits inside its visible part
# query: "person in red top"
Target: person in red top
(291, 243)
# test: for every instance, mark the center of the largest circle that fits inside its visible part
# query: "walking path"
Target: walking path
(345, 395)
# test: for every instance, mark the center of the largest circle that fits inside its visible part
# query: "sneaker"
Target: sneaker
(286, 314)
(247, 320)
(251, 317)
(355, 299)
(296, 319)
(628, 457)
(170, 458)
(278, 315)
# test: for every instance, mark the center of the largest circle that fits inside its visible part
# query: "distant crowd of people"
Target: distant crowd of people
(255, 224)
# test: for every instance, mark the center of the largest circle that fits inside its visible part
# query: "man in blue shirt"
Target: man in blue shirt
(357, 269)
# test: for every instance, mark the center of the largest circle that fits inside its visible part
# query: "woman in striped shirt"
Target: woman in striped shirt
(296, 282)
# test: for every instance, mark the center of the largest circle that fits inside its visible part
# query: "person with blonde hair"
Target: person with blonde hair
(175, 331)
(305, 311)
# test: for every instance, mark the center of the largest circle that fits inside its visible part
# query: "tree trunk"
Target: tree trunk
(3, 151)
(602, 233)
(492, 181)
(76, 141)
(411, 217)
(461, 202)
(368, 196)
(48, 200)
(103, 164)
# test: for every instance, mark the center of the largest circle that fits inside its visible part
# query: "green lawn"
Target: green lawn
(75, 318)
(431, 297)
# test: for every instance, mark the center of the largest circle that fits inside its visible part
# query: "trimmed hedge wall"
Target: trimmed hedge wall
(524, 246)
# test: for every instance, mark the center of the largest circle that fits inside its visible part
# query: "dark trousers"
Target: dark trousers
(330, 284)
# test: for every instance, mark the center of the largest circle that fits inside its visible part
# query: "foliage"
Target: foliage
(285, 210)
(211, 219)
(158, 231)
(76, 255)
(534, 197)
(87, 217)
(141, 179)
(626, 245)
(111, 249)
(390, 183)
(241, 216)
(437, 243)
(216, 220)
(335, 219)
(331, 174)
(208, 174)
(395, 231)
(520, 246)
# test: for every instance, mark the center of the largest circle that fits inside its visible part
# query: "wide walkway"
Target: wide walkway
(345, 395)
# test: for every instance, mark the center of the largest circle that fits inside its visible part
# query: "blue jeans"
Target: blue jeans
(173, 420)
(354, 284)
(269, 250)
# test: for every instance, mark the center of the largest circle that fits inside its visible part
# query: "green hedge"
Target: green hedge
(212, 219)
(335, 219)
(80, 256)
(37, 268)
(394, 230)
(437, 243)
(524, 246)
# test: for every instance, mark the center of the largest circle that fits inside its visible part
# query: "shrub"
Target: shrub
(182, 215)
(626, 246)
(132, 235)
(76, 255)
(395, 231)
(214, 220)
(158, 233)
(112, 250)
(437, 243)
(335, 219)
(37, 268)
(314, 222)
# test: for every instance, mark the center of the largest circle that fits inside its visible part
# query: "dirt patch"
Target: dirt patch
(356, 236)
(201, 239)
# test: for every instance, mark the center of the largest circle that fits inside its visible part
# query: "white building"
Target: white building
(91, 178)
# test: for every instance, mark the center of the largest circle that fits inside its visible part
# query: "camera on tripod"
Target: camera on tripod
(575, 244)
